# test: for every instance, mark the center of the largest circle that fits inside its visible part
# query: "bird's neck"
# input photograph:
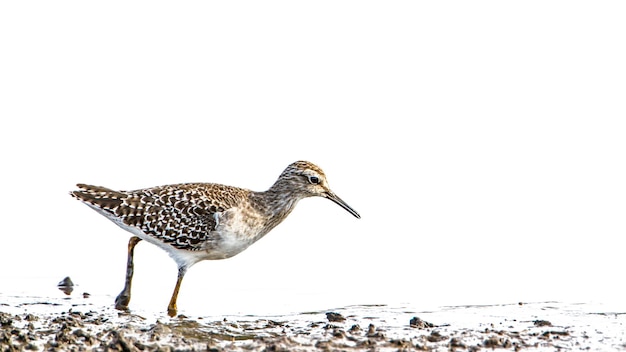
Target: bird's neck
(275, 204)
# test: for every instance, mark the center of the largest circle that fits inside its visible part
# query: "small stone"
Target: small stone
(339, 333)
(497, 342)
(402, 344)
(420, 324)
(555, 333)
(334, 317)
(323, 345)
(542, 323)
(66, 282)
(373, 333)
(355, 328)
(368, 343)
(5, 320)
(66, 285)
(436, 336)
(455, 342)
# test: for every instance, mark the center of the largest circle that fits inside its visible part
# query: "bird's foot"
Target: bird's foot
(171, 311)
(122, 300)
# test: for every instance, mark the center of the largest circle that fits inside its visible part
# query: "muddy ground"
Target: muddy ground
(536, 326)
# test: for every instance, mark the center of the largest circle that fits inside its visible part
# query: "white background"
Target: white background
(482, 142)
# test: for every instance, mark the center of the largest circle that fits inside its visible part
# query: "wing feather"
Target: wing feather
(184, 216)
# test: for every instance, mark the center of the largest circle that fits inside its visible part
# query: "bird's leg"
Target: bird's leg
(122, 300)
(171, 308)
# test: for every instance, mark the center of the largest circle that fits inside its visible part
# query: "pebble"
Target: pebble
(334, 317)
(66, 285)
(419, 323)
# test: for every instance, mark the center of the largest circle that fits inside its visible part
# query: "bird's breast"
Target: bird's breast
(235, 231)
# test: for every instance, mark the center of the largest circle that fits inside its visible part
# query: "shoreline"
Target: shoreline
(40, 325)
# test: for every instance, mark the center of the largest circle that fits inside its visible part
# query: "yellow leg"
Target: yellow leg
(171, 308)
(122, 300)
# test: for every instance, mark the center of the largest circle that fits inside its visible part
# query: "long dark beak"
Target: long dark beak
(330, 195)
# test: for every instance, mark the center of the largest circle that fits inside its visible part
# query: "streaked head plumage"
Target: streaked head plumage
(306, 179)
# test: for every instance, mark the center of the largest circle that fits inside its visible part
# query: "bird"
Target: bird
(193, 222)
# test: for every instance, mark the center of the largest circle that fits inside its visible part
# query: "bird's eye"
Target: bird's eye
(314, 180)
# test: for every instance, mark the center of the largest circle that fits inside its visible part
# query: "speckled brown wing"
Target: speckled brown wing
(183, 215)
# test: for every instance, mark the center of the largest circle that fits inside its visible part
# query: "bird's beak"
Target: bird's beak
(330, 195)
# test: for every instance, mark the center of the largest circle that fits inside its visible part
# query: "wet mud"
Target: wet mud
(35, 325)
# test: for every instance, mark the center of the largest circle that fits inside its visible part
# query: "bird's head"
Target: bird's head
(305, 179)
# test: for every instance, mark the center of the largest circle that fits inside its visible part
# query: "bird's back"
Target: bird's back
(182, 215)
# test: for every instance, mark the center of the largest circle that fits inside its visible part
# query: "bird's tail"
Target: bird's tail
(101, 197)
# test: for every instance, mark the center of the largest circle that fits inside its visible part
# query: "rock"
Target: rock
(66, 282)
(420, 324)
(119, 342)
(402, 344)
(373, 333)
(355, 328)
(542, 323)
(66, 285)
(555, 333)
(456, 342)
(338, 333)
(5, 320)
(436, 336)
(497, 342)
(334, 317)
